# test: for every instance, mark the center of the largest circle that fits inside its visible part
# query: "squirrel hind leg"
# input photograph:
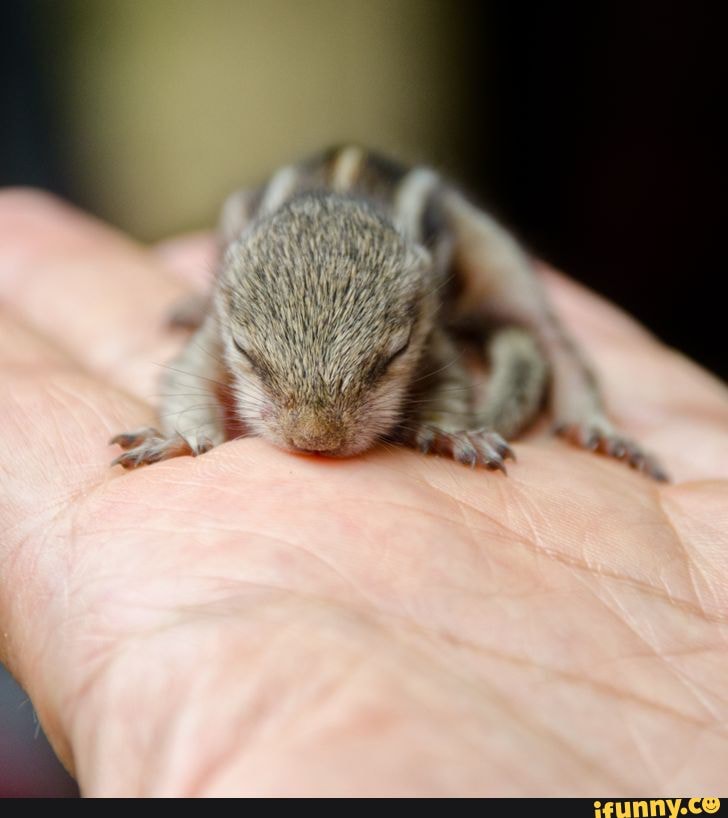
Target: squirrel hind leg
(517, 383)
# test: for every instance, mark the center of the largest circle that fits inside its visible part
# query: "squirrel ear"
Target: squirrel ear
(236, 214)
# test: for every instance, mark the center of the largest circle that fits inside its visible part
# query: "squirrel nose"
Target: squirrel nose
(310, 431)
(314, 445)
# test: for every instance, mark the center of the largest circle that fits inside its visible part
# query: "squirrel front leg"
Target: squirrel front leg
(439, 418)
(191, 409)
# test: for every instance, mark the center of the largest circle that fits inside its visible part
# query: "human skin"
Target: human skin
(251, 622)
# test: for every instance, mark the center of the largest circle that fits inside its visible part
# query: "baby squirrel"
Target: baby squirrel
(349, 289)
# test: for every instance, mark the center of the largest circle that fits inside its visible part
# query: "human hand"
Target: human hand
(251, 622)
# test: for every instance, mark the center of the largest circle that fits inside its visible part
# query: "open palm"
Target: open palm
(251, 622)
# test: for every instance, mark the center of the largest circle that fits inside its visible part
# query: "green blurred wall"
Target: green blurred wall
(169, 104)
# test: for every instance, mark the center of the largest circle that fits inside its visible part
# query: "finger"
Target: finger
(635, 363)
(23, 351)
(670, 404)
(589, 313)
(56, 420)
(191, 258)
(98, 296)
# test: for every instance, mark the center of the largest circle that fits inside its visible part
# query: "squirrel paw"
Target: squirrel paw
(147, 445)
(478, 447)
(600, 437)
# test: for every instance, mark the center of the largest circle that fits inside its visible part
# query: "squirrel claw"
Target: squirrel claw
(146, 446)
(604, 440)
(470, 447)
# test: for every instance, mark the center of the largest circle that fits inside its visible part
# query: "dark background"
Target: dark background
(591, 130)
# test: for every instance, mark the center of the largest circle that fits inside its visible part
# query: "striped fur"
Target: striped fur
(336, 321)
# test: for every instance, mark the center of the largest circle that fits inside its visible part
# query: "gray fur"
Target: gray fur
(349, 290)
(331, 326)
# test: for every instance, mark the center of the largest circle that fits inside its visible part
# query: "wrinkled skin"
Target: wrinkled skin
(252, 622)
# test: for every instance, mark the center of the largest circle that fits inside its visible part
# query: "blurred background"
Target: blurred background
(590, 129)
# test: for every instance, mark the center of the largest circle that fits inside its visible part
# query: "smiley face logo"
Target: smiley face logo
(710, 805)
